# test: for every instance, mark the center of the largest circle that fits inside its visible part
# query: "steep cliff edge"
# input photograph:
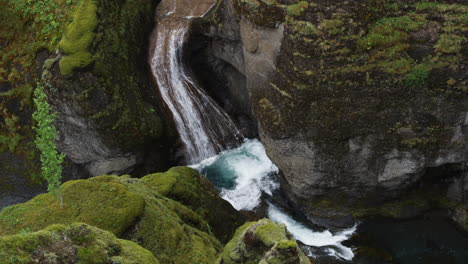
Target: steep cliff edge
(356, 100)
(91, 58)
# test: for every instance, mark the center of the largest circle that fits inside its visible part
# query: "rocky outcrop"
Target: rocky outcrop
(106, 107)
(77, 243)
(356, 100)
(91, 58)
(263, 242)
(134, 209)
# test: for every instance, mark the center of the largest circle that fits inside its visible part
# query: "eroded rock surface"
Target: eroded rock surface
(355, 100)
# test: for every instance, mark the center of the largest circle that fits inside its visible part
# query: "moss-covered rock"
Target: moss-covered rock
(101, 201)
(263, 242)
(266, 13)
(133, 209)
(193, 190)
(78, 38)
(90, 58)
(76, 243)
(360, 98)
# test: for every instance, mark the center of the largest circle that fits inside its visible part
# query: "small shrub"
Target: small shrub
(51, 159)
(417, 77)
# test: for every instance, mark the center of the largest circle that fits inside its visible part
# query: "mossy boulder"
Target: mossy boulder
(132, 209)
(76, 243)
(264, 242)
(101, 201)
(195, 191)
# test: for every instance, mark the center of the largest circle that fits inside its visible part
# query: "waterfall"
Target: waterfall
(242, 174)
(203, 126)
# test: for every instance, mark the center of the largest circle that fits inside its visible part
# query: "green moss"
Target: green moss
(230, 253)
(450, 43)
(303, 28)
(297, 9)
(390, 31)
(77, 243)
(417, 77)
(332, 26)
(283, 244)
(270, 233)
(174, 233)
(262, 242)
(109, 205)
(440, 7)
(77, 60)
(78, 38)
(188, 187)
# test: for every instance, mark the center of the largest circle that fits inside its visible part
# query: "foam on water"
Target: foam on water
(312, 238)
(246, 172)
(243, 174)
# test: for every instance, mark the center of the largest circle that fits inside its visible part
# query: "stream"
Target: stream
(245, 176)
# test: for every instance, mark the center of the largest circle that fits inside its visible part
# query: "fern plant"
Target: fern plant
(46, 133)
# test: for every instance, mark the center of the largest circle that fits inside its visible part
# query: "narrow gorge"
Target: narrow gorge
(233, 131)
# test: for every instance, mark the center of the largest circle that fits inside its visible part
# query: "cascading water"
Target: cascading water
(242, 174)
(203, 126)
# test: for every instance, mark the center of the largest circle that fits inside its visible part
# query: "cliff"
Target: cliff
(357, 102)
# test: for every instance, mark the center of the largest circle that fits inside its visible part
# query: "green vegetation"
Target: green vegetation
(76, 243)
(195, 191)
(388, 32)
(100, 202)
(417, 77)
(78, 38)
(297, 9)
(132, 208)
(270, 233)
(42, 11)
(51, 159)
(450, 43)
(262, 242)
(332, 26)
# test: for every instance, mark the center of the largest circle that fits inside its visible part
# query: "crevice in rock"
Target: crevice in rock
(226, 83)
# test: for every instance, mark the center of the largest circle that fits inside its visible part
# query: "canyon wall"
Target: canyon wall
(356, 101)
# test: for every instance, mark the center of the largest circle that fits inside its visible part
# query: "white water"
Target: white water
(312, 238)
(246, 172)
(243, 174)
(249, 170)
(203, 126)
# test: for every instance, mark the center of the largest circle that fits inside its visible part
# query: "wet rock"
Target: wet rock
(338, 111)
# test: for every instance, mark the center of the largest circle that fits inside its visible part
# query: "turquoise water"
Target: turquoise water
(244, 175)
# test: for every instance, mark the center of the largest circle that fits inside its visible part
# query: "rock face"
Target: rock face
(263, 242)
(134, 209)
(106, 107)
(354, 99)
(91, 58)
(77, 243)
